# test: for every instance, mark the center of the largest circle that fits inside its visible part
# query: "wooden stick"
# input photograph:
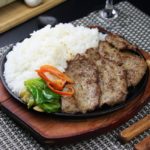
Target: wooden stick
(135, 129)
(143, 145)
(148, 63)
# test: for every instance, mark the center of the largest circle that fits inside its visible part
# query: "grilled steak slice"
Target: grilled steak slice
(69, 105)
(135, 67)
(119, 42)
(112, 78)
(112, 81)
(87, 91)
(103, 75)
(92, 54)
(109, 52)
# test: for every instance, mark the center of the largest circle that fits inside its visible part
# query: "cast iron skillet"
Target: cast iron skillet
(133, 92)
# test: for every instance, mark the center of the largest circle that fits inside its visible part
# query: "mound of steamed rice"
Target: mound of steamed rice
(53, 46)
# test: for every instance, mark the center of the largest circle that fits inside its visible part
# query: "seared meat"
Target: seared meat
(92, 54)
(112, 81)
(119, 42)
(135, 67)
(109, 52)
(87, 91)
(112, 78)
(69, 104)
(102, 75)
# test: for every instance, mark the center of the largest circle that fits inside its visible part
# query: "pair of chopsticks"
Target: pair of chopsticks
(136, 129)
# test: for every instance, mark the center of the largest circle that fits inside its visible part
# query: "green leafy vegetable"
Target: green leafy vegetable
(42, 96)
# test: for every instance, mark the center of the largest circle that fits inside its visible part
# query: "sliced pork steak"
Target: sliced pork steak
(87, 91)
(112, 77)
(135, 67)
(112, 81)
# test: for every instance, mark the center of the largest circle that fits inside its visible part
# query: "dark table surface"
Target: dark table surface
(66, 12)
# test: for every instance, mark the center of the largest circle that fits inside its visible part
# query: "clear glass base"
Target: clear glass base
(108, 14)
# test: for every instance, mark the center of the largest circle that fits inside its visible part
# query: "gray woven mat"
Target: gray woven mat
(133, 25)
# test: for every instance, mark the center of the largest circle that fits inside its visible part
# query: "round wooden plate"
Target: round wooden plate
(50, 129)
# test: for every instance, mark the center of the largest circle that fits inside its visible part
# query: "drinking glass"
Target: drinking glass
(109, 12)
(112, 19)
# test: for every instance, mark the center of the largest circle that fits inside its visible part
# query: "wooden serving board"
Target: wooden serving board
(17, 13)
(49, 129)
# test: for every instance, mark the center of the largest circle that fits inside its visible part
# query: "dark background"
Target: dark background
(68, 11)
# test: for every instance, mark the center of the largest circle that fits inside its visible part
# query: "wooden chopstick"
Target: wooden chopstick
(143, 145)
(135, 129)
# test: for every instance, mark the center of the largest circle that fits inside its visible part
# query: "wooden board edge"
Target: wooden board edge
(4, 95)
(37, 11)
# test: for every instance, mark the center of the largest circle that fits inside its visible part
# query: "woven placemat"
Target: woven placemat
(134, 25)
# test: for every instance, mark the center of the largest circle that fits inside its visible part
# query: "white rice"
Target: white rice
(53, 46)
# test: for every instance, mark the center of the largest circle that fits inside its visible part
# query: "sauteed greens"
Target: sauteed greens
(39, 96)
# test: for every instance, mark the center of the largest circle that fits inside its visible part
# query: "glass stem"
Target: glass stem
(109, 5)
(109, 12)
